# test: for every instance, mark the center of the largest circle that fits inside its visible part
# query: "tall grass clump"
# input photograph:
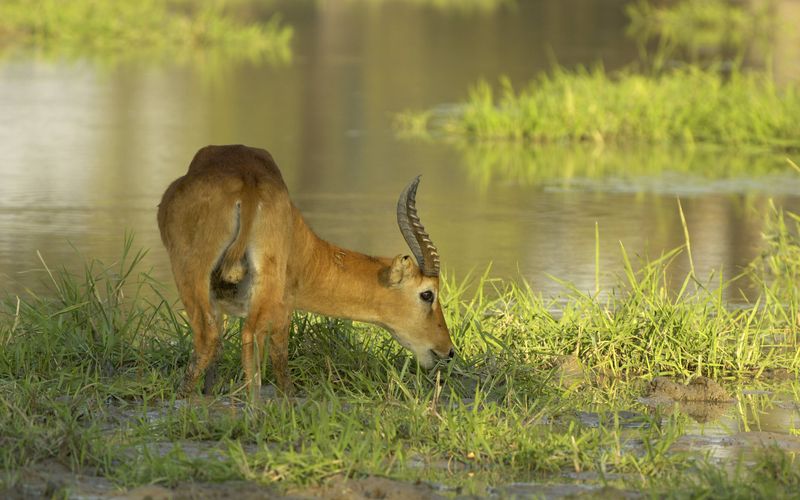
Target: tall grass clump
(646, 327)
(100, 325)
(778, 266)
(90, 340)
(158, 28)
(687, 105)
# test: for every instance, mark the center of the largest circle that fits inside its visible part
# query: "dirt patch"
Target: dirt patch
(341, 488)
(702, 398)
(51, 479)
(698, 389)
(778, 375)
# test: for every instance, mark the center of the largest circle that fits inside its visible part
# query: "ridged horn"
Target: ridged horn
(417, 239)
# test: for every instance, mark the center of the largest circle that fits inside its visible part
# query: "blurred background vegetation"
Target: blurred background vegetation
(147, 28)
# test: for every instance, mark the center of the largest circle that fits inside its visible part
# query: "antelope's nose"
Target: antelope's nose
(443, 356)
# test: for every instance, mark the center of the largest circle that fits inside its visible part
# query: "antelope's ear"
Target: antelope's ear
(402, 266)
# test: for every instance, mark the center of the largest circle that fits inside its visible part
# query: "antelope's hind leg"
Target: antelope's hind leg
(278, 333)
(211, 372)
(204, 318)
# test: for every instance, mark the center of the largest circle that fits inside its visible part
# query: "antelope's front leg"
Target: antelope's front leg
(251, 362)
(271, 318)
(279, 356)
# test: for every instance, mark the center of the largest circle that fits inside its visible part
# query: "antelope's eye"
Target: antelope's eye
(427, 296)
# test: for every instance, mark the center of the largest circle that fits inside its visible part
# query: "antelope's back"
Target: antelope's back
(218, 178)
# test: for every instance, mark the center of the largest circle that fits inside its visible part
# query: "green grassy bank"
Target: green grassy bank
(89, 370)
(688, 105)
(128, 28)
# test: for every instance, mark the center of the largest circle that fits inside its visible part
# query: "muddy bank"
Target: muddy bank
(701, 398)
(342, 488)
(698, 389)
(53, 480)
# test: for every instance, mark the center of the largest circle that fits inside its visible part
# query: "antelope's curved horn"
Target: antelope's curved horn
(418, 240)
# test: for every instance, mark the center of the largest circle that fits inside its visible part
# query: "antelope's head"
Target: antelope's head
(417, 321)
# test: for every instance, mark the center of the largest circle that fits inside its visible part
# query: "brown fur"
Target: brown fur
(239, 246)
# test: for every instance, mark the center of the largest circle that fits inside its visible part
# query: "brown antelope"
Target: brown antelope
(239, 246)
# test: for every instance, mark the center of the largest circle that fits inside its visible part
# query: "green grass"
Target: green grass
(778, 266)
(153, 28)
(89, 371)
(687, 106)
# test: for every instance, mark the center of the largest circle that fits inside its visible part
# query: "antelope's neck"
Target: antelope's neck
(336, 282)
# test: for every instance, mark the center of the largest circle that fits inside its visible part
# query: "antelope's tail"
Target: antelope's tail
(234, 262)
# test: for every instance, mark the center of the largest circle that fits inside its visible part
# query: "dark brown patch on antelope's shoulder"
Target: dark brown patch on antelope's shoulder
(384, 275)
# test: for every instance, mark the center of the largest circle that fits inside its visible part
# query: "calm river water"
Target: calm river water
(87, 147)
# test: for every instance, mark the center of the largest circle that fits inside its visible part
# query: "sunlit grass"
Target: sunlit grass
(687, 106)
(89, 371)
(123, 28)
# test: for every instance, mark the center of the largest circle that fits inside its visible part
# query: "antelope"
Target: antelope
(238, 246)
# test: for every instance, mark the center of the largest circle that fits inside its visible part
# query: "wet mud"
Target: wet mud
(699, 389)
(370, 487)
(701, 398)
(53, 480)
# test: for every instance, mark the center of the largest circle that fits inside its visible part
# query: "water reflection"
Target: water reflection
(677, 169)
(757, 418)
(728, 428)
(86, 149)
(760, 34)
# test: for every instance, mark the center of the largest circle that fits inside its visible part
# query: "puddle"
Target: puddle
(727, 426)
(532, 490)
(623, 419)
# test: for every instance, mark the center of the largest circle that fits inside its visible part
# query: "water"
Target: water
(87, 147)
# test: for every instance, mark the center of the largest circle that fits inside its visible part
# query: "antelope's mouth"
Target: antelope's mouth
(442, 357)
